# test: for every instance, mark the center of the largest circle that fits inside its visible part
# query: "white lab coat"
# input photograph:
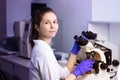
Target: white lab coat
(43, 64)
(118, 73)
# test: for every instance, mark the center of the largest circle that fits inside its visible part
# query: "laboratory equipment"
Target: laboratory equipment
(99, 51)
(22, 31)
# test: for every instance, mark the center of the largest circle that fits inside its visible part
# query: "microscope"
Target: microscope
(99, 53)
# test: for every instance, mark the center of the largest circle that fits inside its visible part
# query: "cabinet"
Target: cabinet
(16, 67)
(110, 30)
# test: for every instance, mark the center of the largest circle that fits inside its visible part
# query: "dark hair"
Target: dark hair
(34, 34)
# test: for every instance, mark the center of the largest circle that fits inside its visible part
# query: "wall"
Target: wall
(106, 10)
(16, 10)
(74, 15)
(2, 19)
(114, 33)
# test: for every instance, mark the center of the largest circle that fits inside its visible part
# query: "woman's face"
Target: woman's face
(48, 26)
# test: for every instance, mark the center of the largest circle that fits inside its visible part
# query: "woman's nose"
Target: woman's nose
(52, 25)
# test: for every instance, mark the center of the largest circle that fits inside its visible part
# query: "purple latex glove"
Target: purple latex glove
(83, 67)
(75, 49)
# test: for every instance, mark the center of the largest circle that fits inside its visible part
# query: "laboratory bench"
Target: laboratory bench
(17, 68)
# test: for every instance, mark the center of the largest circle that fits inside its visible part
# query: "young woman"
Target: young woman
(43, 64)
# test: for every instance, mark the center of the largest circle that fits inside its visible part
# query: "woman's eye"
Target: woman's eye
(55, 22)
(46, 22)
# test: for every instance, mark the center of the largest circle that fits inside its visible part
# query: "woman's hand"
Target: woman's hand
(75, 49)
(83, 67)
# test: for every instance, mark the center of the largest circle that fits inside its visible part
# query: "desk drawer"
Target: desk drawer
(7, 66)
